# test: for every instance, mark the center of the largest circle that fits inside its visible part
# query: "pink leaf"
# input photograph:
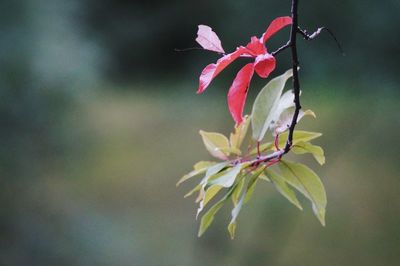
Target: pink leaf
(275, 26)
(212, 70)
(208, 39)
(238, 92)
(264, 65)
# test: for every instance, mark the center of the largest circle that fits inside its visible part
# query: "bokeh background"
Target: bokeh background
(99, 118)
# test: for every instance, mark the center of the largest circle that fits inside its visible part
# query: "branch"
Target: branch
(296, 82)
(313, 35)
(276, 155)
(292, 44)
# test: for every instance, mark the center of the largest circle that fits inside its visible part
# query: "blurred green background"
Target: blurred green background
(99, 119)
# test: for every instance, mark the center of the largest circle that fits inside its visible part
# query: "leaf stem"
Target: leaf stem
(276, 142)
(312, 36)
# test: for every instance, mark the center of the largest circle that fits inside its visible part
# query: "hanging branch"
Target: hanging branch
(296, 82)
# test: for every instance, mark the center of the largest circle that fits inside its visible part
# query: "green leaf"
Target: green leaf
(232, 228)
(199, 168)
(283, 188)
(306, 147)
(195, 189)
(286, 117)
(246, 196)
(228, 178)
(208, 217)
(236, 138)
(263, 147)
(215, 143)
(252, 183)
(298, 136)
(235, 213)
(213, 170)
(229, 150)
(215, 180)
(205, 197)
(203, 165)
(264, 177)
(308, 183)
(210, 193)
(286, 101)
(266, 103)
(237, 191)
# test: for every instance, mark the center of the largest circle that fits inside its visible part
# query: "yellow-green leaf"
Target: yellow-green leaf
(203, 165)
(208, 217)
(266, 103)
(235, 213)
(263, 147)
(252, 183)
(229, 150)
(215, 143)
(237, 191)
(236, 138)
(283, 188)
(264, 177)
(195, 189)
(286, 101)
(228, 177)
(199, 168)
(208, 195)
(308, 183)
(286, 117)
(306, 147)
(298, 136)
(213, 170)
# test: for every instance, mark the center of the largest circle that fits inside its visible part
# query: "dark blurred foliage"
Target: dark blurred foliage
(140, 37)
(92, 93)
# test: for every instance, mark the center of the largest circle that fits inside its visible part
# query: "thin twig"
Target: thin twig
(313, 35)
(188, 49)
(280, 49)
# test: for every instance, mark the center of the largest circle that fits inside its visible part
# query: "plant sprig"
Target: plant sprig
(276, 111)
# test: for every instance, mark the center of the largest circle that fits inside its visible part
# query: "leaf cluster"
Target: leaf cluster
(236, 174)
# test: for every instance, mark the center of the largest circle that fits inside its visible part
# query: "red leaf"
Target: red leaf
(212, 70)
(264, 65)
(256, 47)
(209, 39)
(238, 92)
(275, 26)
